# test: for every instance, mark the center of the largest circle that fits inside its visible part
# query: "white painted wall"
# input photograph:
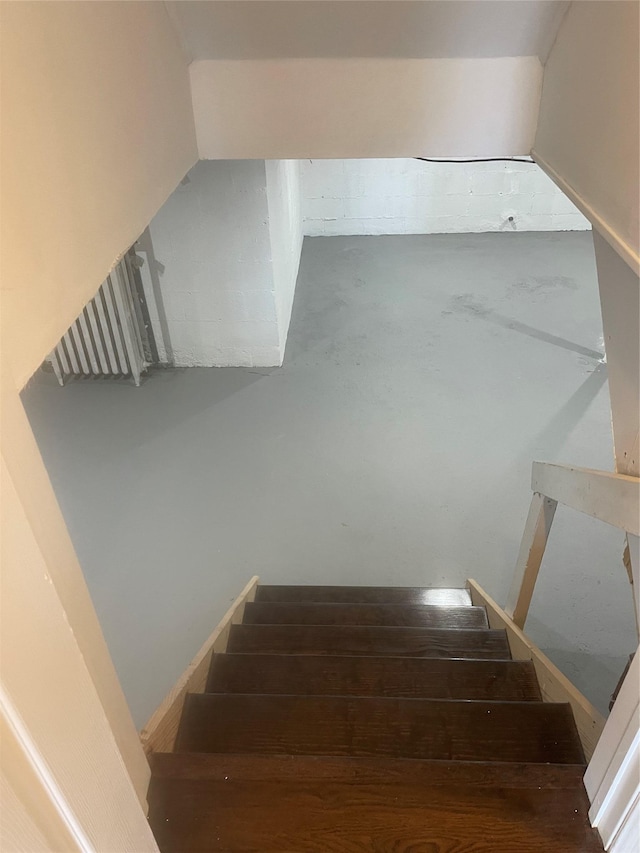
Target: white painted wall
(619, 288)
(53, 646)
(227, 246)
(97, 132)
(285, 227)
(588, 130)
(212, 239)
(588, 141)
(369, 107)
(373, 28)
(343, 197)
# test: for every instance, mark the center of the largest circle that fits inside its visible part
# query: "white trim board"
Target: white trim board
(612, 779)
(43, 774)
(616, 819)
(628, 838)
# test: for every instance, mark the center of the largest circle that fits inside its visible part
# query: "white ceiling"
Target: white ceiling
(269, 29)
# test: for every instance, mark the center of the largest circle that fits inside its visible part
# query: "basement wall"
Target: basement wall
(339, 467)
(222, 254)
(408, 196)
(286, 232)
(225, 249)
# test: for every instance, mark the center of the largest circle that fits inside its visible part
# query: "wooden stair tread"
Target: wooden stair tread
(439, 678)
(363, 770)
(270, 816)
(399, 728)
(367, 640)
(322, 613)
(364, 594)
(370, 719)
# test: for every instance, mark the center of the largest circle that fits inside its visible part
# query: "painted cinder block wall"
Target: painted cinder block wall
(227, 247)
(408, 196)
(285, 227)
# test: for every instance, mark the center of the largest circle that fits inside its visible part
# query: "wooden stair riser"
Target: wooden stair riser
(365, 595)
(358, 770)
(418, 678)
(394, 728)
(422, 616)
(364, 640)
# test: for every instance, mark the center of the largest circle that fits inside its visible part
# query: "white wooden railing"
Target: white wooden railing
(613, 498)
(612, 779)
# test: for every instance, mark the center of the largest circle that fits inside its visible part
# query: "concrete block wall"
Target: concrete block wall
(285, 228)
(405, 196)
(224, 251)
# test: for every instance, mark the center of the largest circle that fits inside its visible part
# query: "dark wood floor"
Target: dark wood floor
(368, 719)
(304, 815)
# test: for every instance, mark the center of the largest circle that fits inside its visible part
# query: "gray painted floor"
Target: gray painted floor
(422, 377)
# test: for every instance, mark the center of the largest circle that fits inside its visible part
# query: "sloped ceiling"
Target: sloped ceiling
(271, 29)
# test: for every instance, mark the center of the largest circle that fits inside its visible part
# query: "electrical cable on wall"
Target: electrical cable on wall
(477, 160)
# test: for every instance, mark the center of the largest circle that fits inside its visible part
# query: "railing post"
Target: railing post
(534, 542)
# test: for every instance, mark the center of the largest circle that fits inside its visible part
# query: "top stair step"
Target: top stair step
(365, 595)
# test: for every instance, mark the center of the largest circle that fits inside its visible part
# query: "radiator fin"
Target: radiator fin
(108, 338)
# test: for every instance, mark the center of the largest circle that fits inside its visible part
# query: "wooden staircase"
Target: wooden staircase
(370, 719)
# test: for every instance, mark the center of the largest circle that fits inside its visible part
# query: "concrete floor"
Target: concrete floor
(423, 375)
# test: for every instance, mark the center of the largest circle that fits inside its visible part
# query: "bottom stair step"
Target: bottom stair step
(400, 728)
(203, 804)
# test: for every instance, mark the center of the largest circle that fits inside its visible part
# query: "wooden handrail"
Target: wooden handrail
(612, 498)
